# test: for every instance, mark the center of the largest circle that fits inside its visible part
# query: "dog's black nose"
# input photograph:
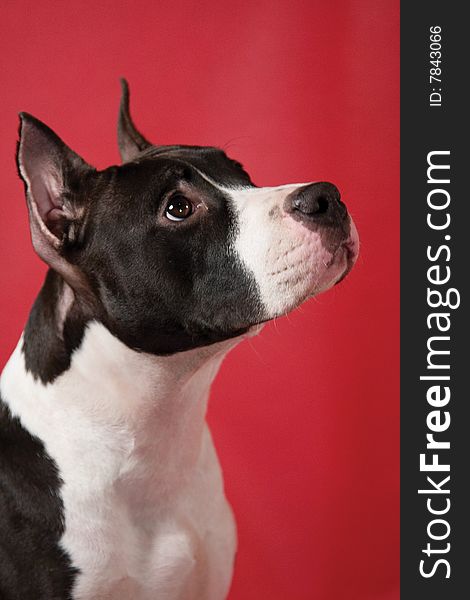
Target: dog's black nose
(317, 202)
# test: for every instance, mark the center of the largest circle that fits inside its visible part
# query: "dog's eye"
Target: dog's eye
(178, 208)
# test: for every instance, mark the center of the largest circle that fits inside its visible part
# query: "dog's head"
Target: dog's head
(177, 248)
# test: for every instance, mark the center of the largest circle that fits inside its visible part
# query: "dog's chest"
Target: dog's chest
(144, 510)
(144, 542)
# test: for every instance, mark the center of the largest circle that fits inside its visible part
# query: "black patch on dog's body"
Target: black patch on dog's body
(47, 346)
(32, 564)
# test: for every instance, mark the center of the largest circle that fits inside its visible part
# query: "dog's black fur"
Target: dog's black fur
(159, 286)
(32, 564)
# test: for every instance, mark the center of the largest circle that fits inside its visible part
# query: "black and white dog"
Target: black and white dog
(110, 487)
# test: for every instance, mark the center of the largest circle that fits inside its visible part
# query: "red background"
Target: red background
(305, 417)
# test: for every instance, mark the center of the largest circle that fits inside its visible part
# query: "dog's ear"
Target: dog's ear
(130, 141)
(49, 170)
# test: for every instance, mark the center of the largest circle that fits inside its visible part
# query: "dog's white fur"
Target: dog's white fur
(143, 493)
(145, 512)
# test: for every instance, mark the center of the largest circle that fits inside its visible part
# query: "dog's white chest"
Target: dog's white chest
(145, 513)
(131, 547)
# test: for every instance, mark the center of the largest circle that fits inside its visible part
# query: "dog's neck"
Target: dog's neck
(138, 408)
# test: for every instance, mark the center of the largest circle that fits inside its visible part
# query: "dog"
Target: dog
(110, 486)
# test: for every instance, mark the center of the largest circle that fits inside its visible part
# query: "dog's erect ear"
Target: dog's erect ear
(49, 169)
(130, 141)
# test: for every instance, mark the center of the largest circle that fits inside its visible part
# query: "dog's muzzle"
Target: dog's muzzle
(318, 207)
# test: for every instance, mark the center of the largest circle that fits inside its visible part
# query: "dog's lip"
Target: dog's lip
(351, 252)
(350, 249)
(352, 243)
(350, 260)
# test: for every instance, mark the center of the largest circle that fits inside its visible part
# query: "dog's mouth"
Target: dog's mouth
(308, 263)
(325, 274)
